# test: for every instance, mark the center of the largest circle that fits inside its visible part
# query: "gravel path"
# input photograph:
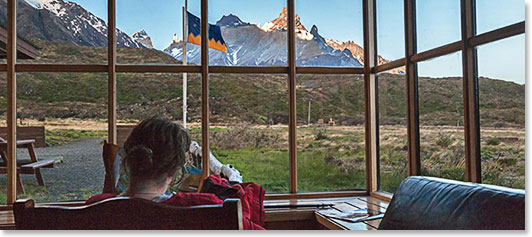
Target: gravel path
(79, 176)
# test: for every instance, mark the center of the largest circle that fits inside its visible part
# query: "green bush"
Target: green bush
(320, 134)
(493, 141)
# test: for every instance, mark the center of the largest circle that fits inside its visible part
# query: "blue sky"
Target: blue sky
(438, 23)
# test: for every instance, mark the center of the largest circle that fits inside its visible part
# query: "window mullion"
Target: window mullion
(292, 95)
(470, 83)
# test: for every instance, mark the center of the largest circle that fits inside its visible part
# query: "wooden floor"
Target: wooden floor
(305, 218)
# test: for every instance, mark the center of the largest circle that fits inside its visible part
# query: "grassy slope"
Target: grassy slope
(241, 97)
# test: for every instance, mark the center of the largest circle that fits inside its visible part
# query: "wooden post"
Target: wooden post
(111, 74)
(308, 118)
(185, 79)
(471, 101)
(205, 88)
(414, 163)
(292, 121)
(371, 130)
(11, 102)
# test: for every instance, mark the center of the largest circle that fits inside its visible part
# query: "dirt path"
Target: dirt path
(79, 176)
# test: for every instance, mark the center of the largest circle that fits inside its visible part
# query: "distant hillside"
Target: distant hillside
(260, 99)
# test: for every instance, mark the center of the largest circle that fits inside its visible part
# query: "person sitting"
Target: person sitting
(155, 156)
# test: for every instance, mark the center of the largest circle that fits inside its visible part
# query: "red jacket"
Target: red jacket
(251, 196)
(216, 189)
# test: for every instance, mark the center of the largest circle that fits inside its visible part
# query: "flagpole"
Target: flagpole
(185, 39)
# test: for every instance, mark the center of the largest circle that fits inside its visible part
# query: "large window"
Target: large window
(295, 124)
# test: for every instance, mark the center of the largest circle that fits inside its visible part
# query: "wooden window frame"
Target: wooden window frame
(467, 45)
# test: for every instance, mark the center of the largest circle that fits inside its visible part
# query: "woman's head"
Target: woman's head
(155, 150)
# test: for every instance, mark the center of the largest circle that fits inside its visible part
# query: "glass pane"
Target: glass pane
(441, 117)
(393, 151)
(71, 110)
(144, 95)
(493, 14)
(253, 31)
(331, 147)
(64, 32)
(502, 112)
(438, 23)
(154, 31)
(249, 127)
(329, 33)
(390, 31)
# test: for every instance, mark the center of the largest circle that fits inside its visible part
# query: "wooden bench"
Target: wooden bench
(36, 133)
(32, 166)
(123, 132)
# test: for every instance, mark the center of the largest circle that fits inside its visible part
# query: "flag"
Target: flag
(215, 34)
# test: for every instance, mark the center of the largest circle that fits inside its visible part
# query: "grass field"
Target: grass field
(332, 158)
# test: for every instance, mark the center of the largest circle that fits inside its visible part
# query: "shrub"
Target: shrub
(243, 136)
(320, 134)
(444, 140)
(493, 141)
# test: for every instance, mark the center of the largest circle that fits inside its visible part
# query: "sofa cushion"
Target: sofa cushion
(434, 203)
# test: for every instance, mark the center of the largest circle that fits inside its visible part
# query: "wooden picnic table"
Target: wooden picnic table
(31, 166)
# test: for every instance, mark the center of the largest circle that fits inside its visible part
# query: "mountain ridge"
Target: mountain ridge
(62, 22)
(256, 45)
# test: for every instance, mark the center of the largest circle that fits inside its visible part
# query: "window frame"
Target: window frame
(467, 45)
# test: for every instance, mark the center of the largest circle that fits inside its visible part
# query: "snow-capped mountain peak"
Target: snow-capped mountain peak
(54, 6)
(63, 21)
(231, 21)
(143, 38)
(281, 23)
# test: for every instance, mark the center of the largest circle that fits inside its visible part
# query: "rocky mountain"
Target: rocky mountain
(62, 22)
(231, 21)
(254, 45)
(143, 38)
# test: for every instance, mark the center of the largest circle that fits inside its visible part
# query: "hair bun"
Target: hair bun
(140, 160)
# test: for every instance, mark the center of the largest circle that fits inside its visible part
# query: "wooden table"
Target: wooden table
(307, 218)
(32, 166)
(371, 204)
